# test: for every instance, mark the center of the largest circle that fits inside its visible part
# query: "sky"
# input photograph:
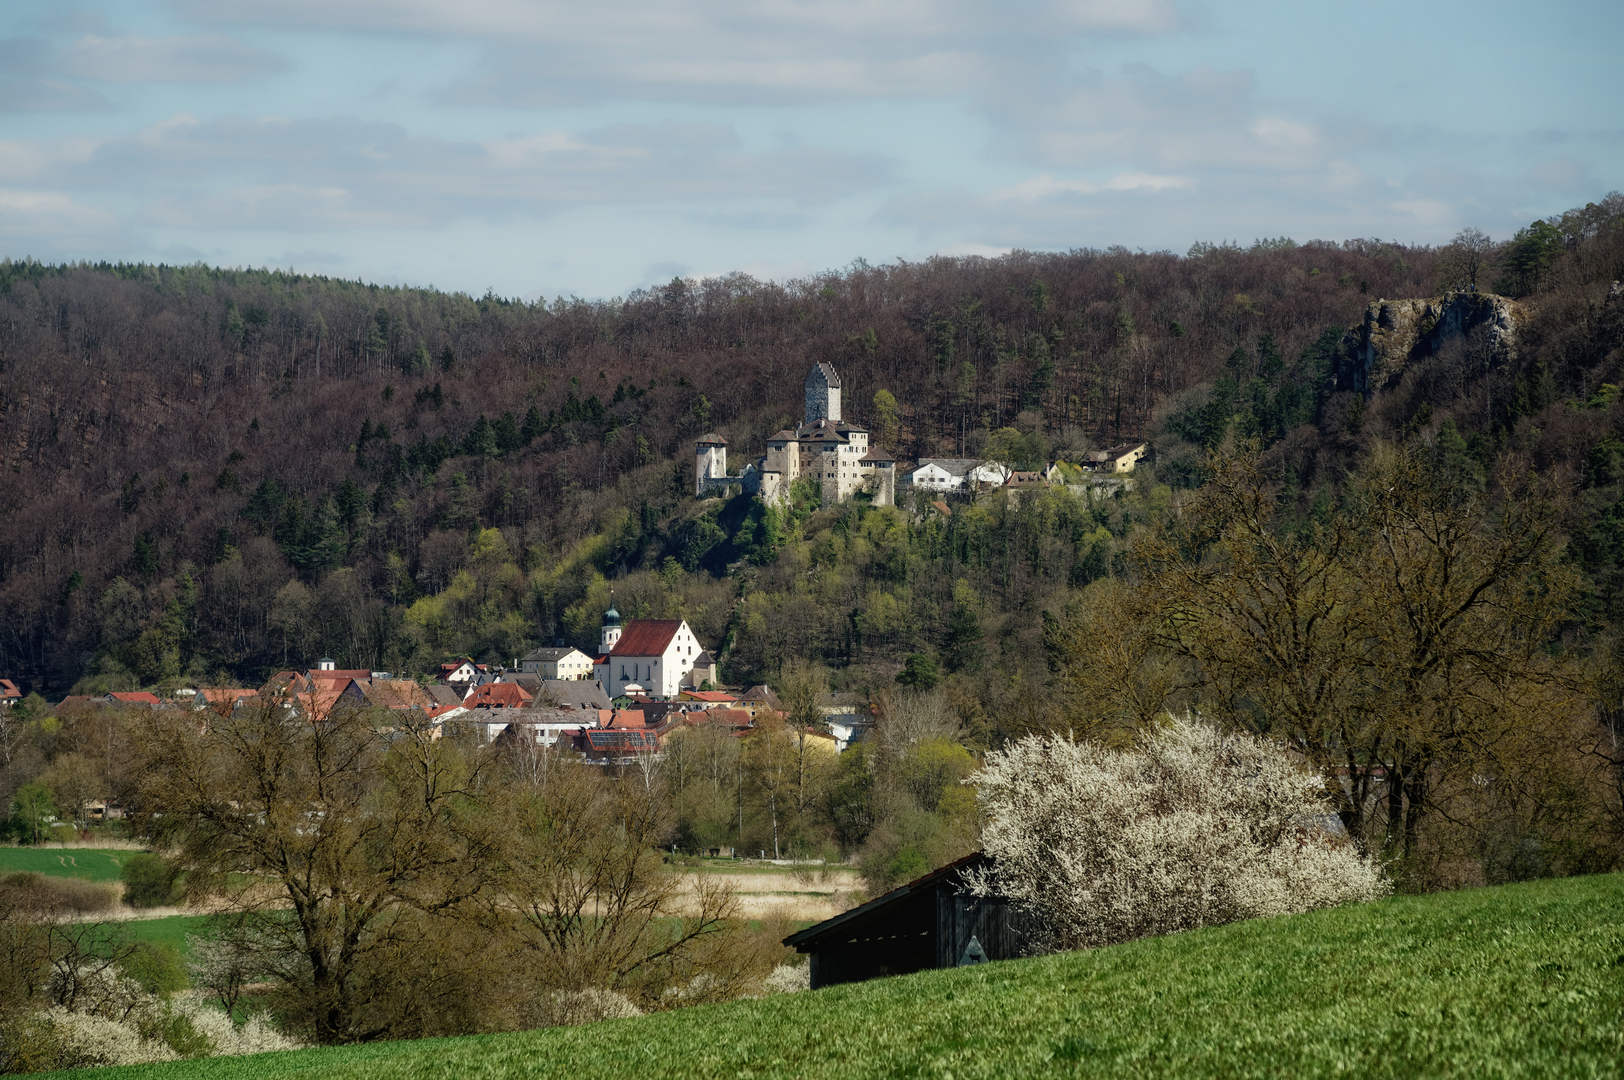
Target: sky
(543, 148)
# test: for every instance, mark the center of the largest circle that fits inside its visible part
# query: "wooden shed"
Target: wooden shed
(931, 922)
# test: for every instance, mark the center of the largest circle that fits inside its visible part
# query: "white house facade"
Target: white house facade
(562, 663)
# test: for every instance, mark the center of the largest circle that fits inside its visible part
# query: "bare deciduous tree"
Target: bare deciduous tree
(348, 844)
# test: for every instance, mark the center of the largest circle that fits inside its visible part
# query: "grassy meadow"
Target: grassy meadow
(1522, 980)
(92, 864)
(166, 929)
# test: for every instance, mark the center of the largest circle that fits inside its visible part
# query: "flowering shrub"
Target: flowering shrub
(590, 1005)
(788, 979)
(1190, 828)
(224, 1038)
(85, 1039)
(151, 1030)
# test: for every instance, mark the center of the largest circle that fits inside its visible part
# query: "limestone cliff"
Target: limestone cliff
(1397, 333)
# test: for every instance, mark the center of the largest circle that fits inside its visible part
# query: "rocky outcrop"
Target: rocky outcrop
(1397, 333)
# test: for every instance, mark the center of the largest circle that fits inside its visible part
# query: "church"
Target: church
(823, 447)
(657, 657)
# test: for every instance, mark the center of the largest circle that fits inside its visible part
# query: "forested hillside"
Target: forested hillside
(214, 473)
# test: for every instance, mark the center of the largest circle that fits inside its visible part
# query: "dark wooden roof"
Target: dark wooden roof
(806, 940)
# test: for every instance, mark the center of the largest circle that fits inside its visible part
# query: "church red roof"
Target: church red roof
(646, 637)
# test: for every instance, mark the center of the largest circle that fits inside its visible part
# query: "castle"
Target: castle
(823, 447)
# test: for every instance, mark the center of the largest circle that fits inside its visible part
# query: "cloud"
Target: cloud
(985, 251)
(752, 222)
(1121, 16)
(1046, 212)
(307, 257)
(1046, 186)
(29, 86)
(541, 53)
(53, 216)
(1561, 174)
(199, 58)
(341, 173)
(48, 95)
(1155, 123)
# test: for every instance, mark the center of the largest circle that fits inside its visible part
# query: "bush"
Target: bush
(157, 966)
(43, 894)
(789, 979)
(1192, 828)
(149, 881)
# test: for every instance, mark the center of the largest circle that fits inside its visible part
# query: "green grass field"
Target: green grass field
(1525, 980)
(93, 864)
(169, 930)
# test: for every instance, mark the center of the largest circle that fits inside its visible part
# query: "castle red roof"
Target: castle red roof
(646, 637)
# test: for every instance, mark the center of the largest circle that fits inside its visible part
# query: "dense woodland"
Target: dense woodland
(216, 474)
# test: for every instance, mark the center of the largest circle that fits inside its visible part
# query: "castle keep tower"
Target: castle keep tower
(823, 448)
(710, 461)
(822, 393)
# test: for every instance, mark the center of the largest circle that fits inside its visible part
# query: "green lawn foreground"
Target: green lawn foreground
(1523, 980)
(92, 864)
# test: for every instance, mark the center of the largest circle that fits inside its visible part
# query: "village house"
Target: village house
(616, 747)
(955, 474)
(9, 694)
(497, 695)
(759, 699)
(735, 722)
(222, 700)
(653, 656)
(710, 699)
(460, 673)
(559, 663)
(559, 693)
(132, 697)
(1117, 459)
(444, 695)
(396, 695)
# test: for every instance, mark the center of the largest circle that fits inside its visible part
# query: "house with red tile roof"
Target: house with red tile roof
(710, 699)
(461, 672)
(498, 695)
(658, 655)
(9, 694)
(737, 720)
(223, 700)
(616, 747)
(132, 697)
(397, 694)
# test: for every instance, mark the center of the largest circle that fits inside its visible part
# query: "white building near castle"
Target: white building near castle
(823, 447)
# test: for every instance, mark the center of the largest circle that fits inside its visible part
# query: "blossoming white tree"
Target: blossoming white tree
(1190, 828)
